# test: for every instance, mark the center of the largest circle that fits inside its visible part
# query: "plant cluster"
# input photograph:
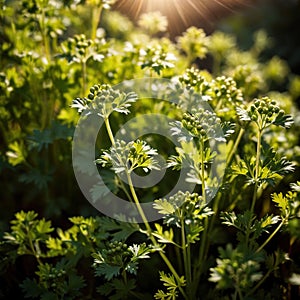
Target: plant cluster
(235, 235)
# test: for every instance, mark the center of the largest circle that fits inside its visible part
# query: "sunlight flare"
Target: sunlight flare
(182, 14)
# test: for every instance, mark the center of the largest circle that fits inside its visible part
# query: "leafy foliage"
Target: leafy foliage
(104, 100)
(171, 285)
(232, 111)
(129, 156)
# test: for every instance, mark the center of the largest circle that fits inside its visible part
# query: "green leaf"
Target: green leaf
(129, 156)
(105, 289)
(295, 186)
(81, 104)
(282, 203)
(37, 177)
(285, 121)
(164, 237)
(140, 251)
(243, 114)
(84, 163)
(132, 267)
(122, 289)
(230, 219)
(171, 284)
(106, 270)
(109, 183)
(31, 288)
(163, 206)
(48, 296)
(16, 154)
(75, 283)
(103, 100)
(168, 281)
(44, 227)
(41, 139)
(193, 233)
(119, 231)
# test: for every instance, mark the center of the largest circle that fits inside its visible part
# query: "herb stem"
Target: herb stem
(205, 231)
(257, 169)
(186, 256)
(152, 238)
(204, 236)
(173, 271)
(32, 248)
(42, 25)
(259, 283)
(271, 235)
(96, 16)
(202, 251)
(137, 203)
(202, 171)
(235, 146)
(109, 131)
(84, 77)
(142, 214)
(112, 140)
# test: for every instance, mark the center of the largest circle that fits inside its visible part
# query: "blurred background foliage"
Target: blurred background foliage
(52, 51)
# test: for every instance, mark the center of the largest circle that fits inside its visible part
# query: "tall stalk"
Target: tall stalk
(257, 169)
(144, 218)
(234, 147)
(256, 176)
(96, 17)
(42, 25)
(84, 76)
(186, 256)
(203, 242)
(204, 234)
(272, 234)
(149, 232)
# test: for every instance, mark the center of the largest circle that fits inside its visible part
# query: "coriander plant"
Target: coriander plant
(186, 150)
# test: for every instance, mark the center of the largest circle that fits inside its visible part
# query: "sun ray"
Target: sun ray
(184, 13)
(201, 9)
(180, 12)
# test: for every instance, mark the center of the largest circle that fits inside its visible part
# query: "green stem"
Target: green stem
(84, 76)
(271, 235)
(109, 131)
(112, 140)
(42, 25)
(257, 169)
(179, 259)
(235, 146)
(239, 292)
(137, 203)
(142, 214)
(186, 257)
(202, 170)
(210, 228)
(204, 235)
(152, 238)
(173, 271)
(96, 17)
(259, 283)
(256, 175)
(277, 261)
(32, 248)
(203, 244)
